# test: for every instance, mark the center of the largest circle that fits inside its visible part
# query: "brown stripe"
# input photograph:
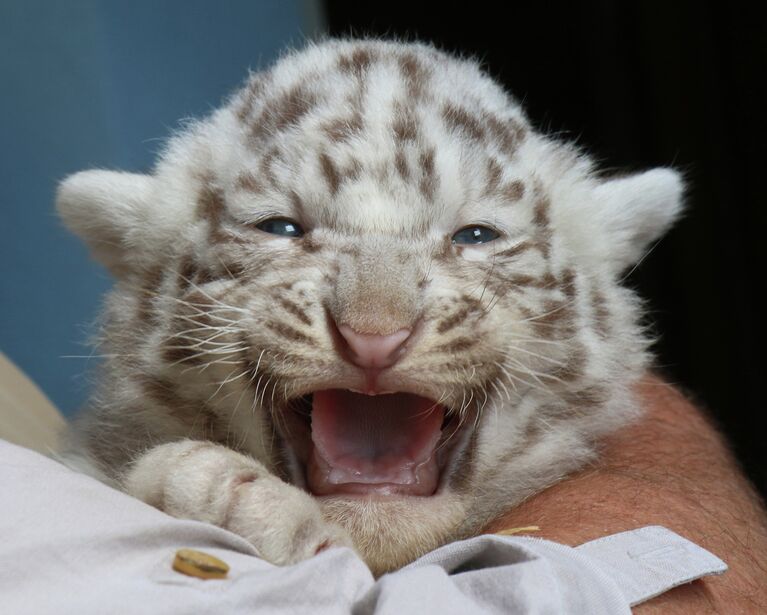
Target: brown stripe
(252, 93)
(342, 129)
(405, 127)
(309, 244)
(176, 352)
(457, 345)
(545, 282)
(574, 366)
(296, 311)
(206, 275)
(210, 204)
(289, 333)
(513, 191)
(160, 390)
(553, 311)
(541, 212)
(211, 207)
(186, 270)
(330, 172)
(459, 119)
(265, 166)
(283, 112)
(590, 398)
(248, 182)
(513, 251)
(415, 75)
(444, 250)
(568, 285)
(428, 174)
(400, 163)
(234, 269)
(494, 173)
(454, 320)
(357, 63)
(352, 172)
(292, 107)
(507, 133)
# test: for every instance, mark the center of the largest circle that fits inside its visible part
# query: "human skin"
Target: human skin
(670, 468)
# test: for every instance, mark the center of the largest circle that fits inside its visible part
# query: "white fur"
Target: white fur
(531, 337)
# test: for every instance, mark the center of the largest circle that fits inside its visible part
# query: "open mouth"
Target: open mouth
(387, 444)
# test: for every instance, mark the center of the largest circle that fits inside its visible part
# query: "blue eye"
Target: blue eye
(281, 226)
(472, 235)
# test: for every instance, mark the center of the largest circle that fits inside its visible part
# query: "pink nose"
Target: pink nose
(367, 350)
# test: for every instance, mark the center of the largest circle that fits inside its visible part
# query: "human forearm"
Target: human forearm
(672, 469)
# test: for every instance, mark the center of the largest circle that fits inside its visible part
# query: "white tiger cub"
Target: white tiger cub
(364, 304)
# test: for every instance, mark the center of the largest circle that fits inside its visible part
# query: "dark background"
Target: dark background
(642, 85)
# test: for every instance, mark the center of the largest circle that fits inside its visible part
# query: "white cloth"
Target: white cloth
(69, 544)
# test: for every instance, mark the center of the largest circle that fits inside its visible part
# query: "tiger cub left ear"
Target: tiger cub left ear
(635, 211)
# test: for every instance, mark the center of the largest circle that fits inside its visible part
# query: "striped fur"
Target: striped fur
(381, 151)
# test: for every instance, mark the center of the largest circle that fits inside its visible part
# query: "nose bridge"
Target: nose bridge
(377, 288)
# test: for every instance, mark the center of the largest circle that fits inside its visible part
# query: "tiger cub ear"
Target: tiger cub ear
(108, 210)
(635, 211)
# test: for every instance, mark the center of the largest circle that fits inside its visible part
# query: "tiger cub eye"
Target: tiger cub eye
(472, 235)
(281, 226)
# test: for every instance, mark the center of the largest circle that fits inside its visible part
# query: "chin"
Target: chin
(391, 531)
(387, 466)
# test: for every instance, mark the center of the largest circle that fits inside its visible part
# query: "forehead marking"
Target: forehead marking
(494, 173)
(513, 191)
(283, 112)
(330, 172)
(253, 92)
(415, 75)
(458, 119)
(248, 182)
(509, 134)
(265, 166)
(428, 174)
(357, 62)
(405, 127)
(400, 163)
(344, 128)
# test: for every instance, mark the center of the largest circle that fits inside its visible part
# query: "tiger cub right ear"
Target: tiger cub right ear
(110, 210)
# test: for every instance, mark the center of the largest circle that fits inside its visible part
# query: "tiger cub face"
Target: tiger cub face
(370, 273)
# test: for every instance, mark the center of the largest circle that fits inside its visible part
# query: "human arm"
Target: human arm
(671, 468)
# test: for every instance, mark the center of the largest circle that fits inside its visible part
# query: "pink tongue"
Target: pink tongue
(373, 443)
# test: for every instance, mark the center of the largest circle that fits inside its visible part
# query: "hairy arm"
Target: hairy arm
(671, 468)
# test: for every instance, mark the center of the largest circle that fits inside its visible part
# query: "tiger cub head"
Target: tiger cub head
(371, 273)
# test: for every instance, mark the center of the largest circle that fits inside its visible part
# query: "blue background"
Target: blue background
(88, 83)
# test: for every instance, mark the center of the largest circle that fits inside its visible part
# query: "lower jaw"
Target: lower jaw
(367, 491)
(424, 485)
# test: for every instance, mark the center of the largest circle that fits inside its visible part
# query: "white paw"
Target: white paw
(209, 482)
